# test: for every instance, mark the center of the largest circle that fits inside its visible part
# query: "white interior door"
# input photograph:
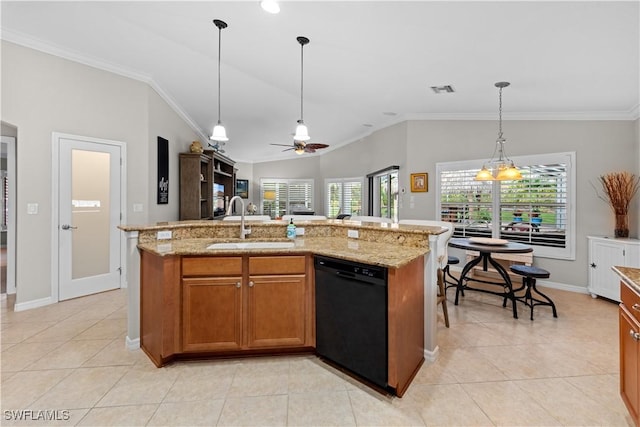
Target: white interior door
(8, 214)
(89, 213)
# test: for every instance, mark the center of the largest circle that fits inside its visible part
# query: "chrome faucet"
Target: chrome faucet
(243, 231)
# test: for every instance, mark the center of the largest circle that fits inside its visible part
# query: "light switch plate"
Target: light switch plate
(138, 207)
(353, 234)
(32, 208)
(162, 235)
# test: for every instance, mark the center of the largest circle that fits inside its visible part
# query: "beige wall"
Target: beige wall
(42, 94)
(164, 122)
(416, 146)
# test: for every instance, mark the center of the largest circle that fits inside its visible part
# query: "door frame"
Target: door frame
(55, 214)
(11, 226)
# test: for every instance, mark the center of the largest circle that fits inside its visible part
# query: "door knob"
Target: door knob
(68, 227)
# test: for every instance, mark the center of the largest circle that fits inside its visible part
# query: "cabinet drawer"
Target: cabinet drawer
(277, 265)
(630, 299)
(211, 266)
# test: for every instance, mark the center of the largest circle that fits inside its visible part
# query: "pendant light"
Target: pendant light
(302, 133)
(501, 168)
(219, 132)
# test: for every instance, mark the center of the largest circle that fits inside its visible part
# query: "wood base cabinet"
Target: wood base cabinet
(630, 350)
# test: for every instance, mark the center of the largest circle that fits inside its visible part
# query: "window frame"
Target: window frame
(342, 181)
(288, 182)
(568, 158)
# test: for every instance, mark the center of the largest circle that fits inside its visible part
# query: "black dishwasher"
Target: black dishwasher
(351, 317)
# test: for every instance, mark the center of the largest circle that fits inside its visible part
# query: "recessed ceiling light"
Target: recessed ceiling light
(270, 6)
(367, 125)
(390, 113)
(443, 89)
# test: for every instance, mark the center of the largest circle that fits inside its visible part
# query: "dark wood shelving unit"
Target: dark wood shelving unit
(196, 186)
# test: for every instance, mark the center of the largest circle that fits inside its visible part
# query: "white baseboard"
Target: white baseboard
(431, 356)
(132, 344)
(28, 305)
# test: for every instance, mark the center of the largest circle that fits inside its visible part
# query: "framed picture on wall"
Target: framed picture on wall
(242, 188)
(419, 182)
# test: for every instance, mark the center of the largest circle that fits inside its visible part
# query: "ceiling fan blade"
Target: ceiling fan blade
(309, 150)
(288, 149)
(282, 145)
(316, 146)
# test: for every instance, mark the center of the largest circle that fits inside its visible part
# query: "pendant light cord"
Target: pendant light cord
(301, 80)
(219, 47)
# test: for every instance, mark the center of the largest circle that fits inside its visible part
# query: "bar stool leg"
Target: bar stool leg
(549, 302)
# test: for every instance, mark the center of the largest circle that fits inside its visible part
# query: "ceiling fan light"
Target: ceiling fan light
(302, 133)
(219, 133)
(299, 150)
(484, 174)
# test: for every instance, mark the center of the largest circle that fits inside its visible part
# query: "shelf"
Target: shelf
(223, 173)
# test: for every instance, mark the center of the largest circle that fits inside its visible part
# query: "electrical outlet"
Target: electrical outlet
(32, 208)
(162, 235)
(300, 231)
(353, 234)
(138, 207)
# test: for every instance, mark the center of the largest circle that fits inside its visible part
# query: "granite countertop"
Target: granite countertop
(630, 276)
(373, 253)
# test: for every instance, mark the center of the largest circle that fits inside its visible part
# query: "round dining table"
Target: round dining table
(485, 247)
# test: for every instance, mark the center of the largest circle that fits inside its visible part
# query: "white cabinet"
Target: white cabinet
(604, 253)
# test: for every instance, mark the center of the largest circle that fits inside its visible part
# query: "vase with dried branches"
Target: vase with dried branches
(619, 188)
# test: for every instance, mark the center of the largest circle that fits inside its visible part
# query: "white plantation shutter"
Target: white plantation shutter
(280, 197)
(537, 210)
(343, 196)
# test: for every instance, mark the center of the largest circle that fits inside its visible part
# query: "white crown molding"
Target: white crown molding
(49, 48)
(632, 114)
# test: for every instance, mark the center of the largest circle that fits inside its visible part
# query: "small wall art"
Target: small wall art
(419, 182)
(242, 188)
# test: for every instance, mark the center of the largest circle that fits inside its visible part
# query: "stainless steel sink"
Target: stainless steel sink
(252, 245)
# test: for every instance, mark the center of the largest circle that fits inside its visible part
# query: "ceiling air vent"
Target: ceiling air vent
(441, 89)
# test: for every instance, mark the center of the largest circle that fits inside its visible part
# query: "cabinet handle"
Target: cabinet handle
(238, 284)
(634, 335)
(636, 307)
(251, 284)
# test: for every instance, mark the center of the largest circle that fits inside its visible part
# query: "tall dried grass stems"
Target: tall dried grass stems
(619, 188)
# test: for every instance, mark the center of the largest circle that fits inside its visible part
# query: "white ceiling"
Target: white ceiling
(366, 60)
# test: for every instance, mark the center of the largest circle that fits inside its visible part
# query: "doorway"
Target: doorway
(86, 242)
(8, 215)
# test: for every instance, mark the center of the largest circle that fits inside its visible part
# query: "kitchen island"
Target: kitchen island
(629, 313)
(199, 300)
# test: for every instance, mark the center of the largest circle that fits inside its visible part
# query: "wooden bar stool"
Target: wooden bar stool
(530, 274)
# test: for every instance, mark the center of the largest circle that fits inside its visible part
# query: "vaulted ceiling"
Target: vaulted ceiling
(368, 65)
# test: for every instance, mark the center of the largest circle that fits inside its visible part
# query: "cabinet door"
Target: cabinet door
(276, 313)
(630, 362)
(211, 313)
(602, 280)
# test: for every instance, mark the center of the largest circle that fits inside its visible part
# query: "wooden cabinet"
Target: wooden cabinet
(630, 350)
(605, 253)
(224, 181)
(278, 302)
(196, 191)
(227, 308)
(211, 303)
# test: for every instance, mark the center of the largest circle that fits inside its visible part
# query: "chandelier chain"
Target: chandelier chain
(500, 114)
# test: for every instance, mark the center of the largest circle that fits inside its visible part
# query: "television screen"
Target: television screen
(218, 198)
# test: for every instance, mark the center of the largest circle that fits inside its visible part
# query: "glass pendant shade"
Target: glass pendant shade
(484, 174)
(302, 133)
(270, 6)
(219, 133)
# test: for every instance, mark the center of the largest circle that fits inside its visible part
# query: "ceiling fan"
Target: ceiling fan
(301, 147)
(217, 147)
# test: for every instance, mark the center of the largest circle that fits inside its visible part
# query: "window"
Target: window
(537, 210)
(285, 196)
(383, 193)
(343, 196)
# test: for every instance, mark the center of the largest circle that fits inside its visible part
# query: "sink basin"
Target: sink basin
(252, 245)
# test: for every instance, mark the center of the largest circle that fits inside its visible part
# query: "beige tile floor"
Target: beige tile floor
(492, 370)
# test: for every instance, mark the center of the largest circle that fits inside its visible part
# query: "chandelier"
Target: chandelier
(499, 168)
